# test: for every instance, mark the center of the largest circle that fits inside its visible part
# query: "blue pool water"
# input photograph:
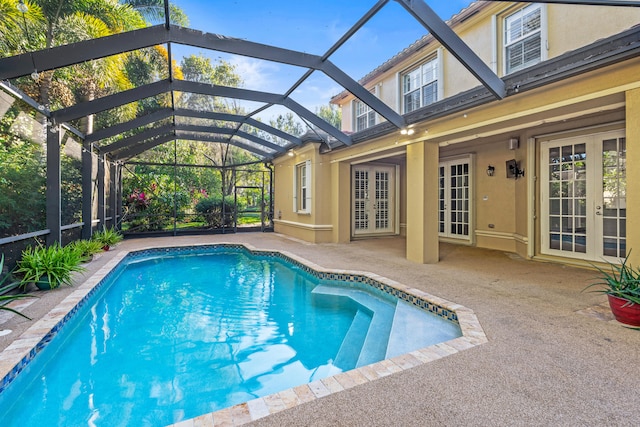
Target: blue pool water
(173, 337)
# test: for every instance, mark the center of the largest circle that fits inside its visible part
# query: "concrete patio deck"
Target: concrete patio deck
(554, 355)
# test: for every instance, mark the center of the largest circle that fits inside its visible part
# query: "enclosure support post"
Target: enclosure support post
(113, 194)
(118, 202)
(101, 205)
(54, 204)
(87, 206)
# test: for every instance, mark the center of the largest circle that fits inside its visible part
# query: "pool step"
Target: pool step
(349, 351)
(432, 330)
(376, 339)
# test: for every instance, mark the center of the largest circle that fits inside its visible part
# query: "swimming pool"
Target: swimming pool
(109, 320)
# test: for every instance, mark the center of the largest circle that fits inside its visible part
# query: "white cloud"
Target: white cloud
(257, 74)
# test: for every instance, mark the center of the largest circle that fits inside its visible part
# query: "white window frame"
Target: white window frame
(360, 109)
(302, 187)
(540, 32)
(426, 74)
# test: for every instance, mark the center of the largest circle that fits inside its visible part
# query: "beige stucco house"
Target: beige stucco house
(541, 173)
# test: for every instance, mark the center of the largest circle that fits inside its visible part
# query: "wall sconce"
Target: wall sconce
(490, 170)
(514, 143)
(513, 169)
(290, 153)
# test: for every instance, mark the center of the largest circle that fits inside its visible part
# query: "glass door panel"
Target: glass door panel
(454, 196)
(373, 199)
(583, 197)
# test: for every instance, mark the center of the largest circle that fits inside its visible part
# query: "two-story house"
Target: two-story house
(542, 172)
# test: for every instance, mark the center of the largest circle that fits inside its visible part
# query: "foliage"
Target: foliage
(212, 210)
(22, 183)
(86, 248)
(53, 265)
(163, 193)
(288, 124)
(330, 114)
(6, 298)
(620, 280)
(107, 236)
(71, 189)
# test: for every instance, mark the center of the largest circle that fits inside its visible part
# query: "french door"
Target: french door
(454, 210)
(583, 196)
(373, 199)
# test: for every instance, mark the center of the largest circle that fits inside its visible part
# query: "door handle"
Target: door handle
(598, 213)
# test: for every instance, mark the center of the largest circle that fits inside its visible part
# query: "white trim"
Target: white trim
(558, 135)
(532, 177)
(313, 227)
(307, 186)
(445, 162)
(505, 118)
(543, 34)
(498, 235)
(394, 199)
(440, 71)
(371, 159)
(494, 44)
(417, 66)
(398, 91)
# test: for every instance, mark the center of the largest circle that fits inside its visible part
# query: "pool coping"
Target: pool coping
(19, 353)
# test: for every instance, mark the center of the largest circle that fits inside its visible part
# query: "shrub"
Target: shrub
(107, 237)
(211, 210)
(48, 267)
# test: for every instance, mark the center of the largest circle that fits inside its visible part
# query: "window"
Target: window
(364, 116)
(420, 86)
(302, 187)
(523, 38)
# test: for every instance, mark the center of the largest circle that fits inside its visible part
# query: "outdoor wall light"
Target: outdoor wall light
(290, 153)
(490, 170)
(407, 131)
(513, 169)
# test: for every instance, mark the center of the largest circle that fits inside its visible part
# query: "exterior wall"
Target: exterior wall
(315, 226)
(633, 174)
(505, 211)
(485, 40)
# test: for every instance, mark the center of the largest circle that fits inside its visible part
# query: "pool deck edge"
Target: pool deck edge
(19, 353)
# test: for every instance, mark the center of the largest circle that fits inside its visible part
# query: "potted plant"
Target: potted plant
(48, 267)
(7, 286)
(107, 237)
(622, 286)
(86, 248)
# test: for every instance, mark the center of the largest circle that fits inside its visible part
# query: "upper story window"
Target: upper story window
(364, 116)
(420, 86)
(523, 38)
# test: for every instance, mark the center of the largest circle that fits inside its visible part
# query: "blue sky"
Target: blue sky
(311, 26)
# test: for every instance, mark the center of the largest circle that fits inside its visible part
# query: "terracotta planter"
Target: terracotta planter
(624, 312)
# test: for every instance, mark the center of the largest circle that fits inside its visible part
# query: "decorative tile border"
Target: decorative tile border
(20, 353)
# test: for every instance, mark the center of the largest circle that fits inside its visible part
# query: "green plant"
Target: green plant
(86, 248)
(49, 267)
(211, 210)
(5, 297)
(620, 280)
(107, 237)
